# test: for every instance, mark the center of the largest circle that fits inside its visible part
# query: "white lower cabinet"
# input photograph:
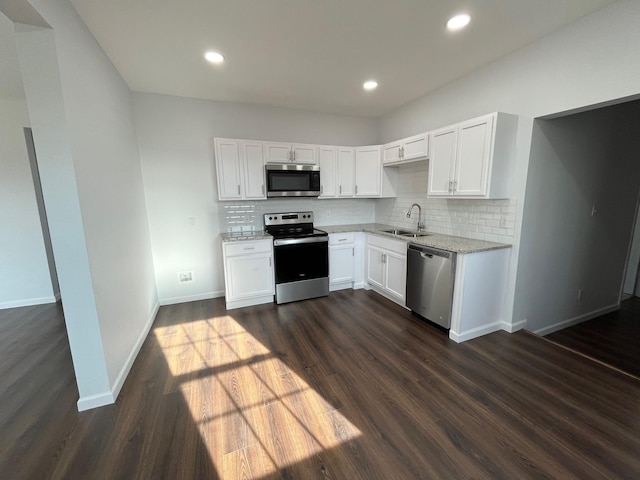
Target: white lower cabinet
(386, 267)
(342, 260)
(248, 273)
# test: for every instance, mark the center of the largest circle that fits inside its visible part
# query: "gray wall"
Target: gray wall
(590, 62)
(24, 272)
(175, 137)
(82, 120)
(577, 162)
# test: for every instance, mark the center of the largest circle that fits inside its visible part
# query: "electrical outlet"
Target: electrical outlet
(503, 222)
(185, 277)
(579, 294)
(594, 211)
(191, 221)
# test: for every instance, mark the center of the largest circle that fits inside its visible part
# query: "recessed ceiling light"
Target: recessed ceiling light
(459, 21)
(370, 85)
(214, 57)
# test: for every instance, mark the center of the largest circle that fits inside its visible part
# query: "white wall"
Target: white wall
(85, 136)
(24, 271)
(592, 61)
(175, 136)
(577, 162)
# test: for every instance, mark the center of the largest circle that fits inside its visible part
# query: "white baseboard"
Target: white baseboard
(358, 286)
(126, 368)
(95, 401)
(576, 320)
(475, 332)
(514, 327)
(27, 302)
(249, 302)
(191, 298)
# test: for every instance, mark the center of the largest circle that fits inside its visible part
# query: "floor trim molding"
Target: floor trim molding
(576, 320)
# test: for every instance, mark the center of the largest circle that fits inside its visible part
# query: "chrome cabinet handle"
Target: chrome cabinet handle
(238, 189)
(455, 186)
(450, 186)
(321, 189)
(340, 191)
(342, 239)
(356, 189)
(263, 189)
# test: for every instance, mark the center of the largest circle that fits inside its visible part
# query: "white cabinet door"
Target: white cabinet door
(474, 154)
(341, 263)
(396, 274)
(228, 169)
(368, 169)
(303, 153)
(391, 152)
(375, 266)
(253, 170)
(346, 172)
(415, 147)
(249, 276)
(277, 152)
(328, 161)
(444, 143)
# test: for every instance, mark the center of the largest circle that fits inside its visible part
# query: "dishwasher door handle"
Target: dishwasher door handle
(426, 255)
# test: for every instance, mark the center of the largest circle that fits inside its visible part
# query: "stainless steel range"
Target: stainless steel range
(301, 256)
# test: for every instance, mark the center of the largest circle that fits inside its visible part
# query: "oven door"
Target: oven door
(301, 259)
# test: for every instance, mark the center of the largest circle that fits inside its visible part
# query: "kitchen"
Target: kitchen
(175, 142)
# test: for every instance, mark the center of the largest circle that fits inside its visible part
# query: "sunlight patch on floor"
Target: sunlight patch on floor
(254, 413)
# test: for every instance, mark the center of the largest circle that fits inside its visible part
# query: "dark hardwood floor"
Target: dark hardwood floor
(350, 386)
(613, 338)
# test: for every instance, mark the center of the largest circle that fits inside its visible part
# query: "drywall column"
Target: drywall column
(39, 66)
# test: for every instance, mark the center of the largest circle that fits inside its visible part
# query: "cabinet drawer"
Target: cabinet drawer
(341, 238)
(245, 248)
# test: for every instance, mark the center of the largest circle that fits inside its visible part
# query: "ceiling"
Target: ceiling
(314, 54)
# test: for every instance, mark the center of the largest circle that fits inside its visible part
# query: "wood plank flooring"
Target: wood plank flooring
(613, 338)
(350, 386)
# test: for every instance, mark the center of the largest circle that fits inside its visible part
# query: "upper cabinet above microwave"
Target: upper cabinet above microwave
(278, 152)
(407, 150)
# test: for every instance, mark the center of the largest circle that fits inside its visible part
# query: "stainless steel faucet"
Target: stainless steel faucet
(420, 222)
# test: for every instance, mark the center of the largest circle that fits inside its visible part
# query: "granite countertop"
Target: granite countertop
(245, 236)
(436, 240)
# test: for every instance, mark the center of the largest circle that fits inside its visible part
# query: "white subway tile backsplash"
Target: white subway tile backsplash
(478, 219)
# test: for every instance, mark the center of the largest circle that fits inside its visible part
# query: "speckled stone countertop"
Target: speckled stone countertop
(436, 240)
(244, 236)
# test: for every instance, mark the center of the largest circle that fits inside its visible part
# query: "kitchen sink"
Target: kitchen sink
(415, 234)
(406, 233)
(396, 231)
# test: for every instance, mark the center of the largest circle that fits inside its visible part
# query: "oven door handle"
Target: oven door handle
(297, 241)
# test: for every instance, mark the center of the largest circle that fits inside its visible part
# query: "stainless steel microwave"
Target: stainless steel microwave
(293, 180)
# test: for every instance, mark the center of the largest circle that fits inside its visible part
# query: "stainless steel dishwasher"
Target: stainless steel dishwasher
(430, 275)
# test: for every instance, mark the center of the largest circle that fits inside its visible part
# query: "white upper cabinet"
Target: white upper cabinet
(444, 143)
(368, 170)
(473, 159)
(228, 168)
(346, 171)
(328, 161)
(253, 164)
(411, 149)
(240, 169)
(278, 152)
